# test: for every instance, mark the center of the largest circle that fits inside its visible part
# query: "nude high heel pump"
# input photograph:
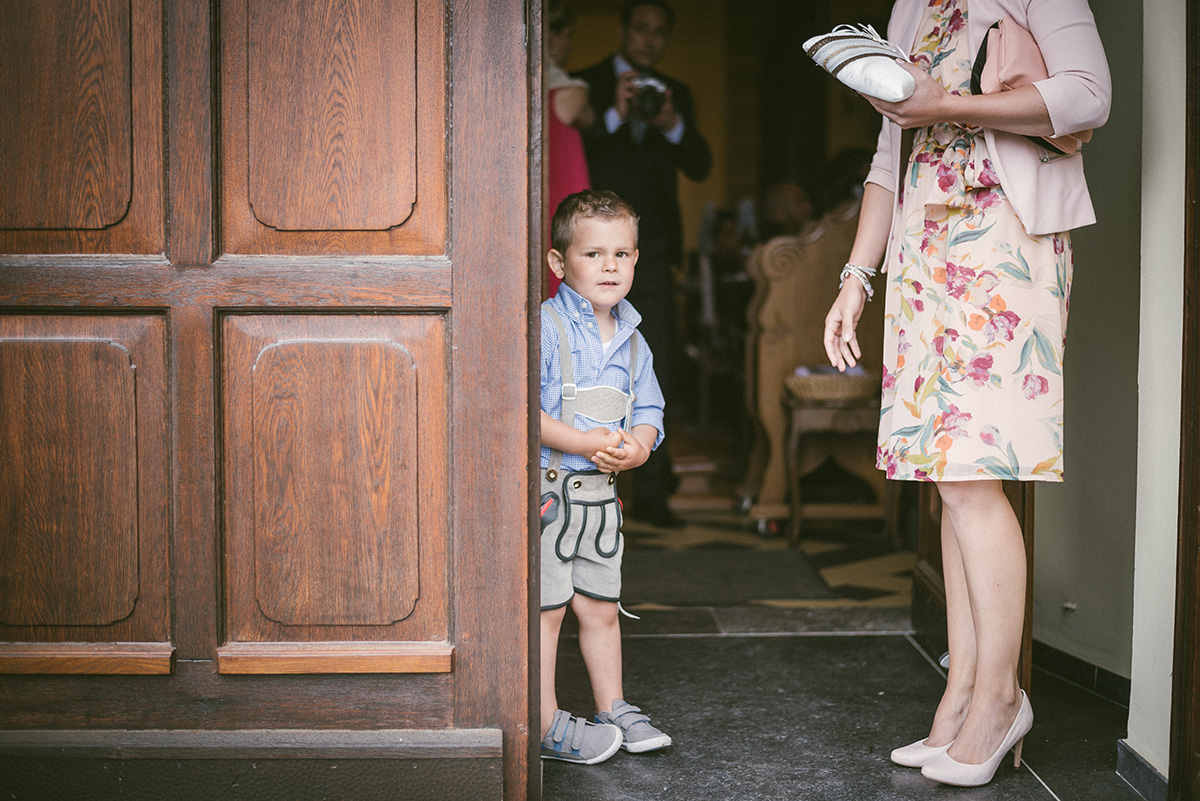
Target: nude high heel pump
(915, 755)
(947, 770)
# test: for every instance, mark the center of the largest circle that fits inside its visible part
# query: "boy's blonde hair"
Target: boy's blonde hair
(589, 203)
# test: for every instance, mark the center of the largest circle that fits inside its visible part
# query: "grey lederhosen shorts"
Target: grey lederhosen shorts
(581, 537)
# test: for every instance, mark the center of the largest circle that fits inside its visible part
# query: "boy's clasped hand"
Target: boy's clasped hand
(619, 452)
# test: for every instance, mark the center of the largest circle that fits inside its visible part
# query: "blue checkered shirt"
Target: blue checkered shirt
(593, 368)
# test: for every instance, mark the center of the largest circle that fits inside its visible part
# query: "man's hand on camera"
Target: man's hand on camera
(625, 94)
(667, 118)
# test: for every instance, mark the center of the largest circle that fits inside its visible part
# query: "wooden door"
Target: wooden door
(264, 397)
(929, 585)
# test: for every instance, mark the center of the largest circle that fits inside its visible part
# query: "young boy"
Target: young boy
(602, 413)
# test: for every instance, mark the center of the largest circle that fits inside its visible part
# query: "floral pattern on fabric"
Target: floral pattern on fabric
(976, 308)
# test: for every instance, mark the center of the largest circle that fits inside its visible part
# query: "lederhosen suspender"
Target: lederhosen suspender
(570, 392)
(573, 501)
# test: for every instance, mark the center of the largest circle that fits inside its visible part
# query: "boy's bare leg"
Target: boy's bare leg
(600, 642)
(551, 625)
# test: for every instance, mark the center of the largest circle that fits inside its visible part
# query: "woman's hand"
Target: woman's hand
(1021, 110)
(928, 104)
(841, 341)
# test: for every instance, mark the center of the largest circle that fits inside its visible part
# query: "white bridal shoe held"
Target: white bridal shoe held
(863, 60)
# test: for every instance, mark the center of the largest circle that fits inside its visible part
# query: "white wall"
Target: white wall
(1164, 87)
(1106, 538)
(1084, 527)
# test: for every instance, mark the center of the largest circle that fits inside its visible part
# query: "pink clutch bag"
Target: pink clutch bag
(1008, 58)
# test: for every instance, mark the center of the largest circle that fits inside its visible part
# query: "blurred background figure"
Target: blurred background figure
(786, 210)
(568, 111)
(644, 136)
(847, 174)
(717, 292)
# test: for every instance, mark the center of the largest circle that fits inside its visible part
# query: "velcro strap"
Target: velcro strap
(636, 712)
(577, 735)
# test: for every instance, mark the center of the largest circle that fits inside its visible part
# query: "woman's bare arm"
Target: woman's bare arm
(870, 243)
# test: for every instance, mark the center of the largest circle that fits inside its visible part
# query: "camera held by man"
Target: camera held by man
(650, 95)
(646, 99)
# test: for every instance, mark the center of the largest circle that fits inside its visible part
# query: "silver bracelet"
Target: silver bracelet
(863, 274)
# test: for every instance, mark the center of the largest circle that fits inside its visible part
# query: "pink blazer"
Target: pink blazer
(1048, 191)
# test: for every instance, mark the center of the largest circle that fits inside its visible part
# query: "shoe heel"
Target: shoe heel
(1017, 760)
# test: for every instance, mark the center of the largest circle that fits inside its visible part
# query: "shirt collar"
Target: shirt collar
(621, 66)
(580, 308)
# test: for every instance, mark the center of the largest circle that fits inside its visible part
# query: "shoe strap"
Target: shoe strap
(630, 710)
(557, 733)
(577, 736)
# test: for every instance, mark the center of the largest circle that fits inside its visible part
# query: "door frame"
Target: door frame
(534, 279)
(1184, 778)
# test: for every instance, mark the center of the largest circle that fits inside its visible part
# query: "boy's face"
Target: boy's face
(599, 261)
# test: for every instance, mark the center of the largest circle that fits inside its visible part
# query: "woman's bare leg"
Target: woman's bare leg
(961, 634)
(992, 555)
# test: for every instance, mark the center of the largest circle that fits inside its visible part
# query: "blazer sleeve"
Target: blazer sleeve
(883, 165)
(1078, 92)
(692, 154)
(601, 85)
(599, 142)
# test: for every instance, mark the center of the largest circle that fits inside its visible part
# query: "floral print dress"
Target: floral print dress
(976, 308)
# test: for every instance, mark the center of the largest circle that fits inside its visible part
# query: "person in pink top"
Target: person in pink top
(569, 110)
(972, 226)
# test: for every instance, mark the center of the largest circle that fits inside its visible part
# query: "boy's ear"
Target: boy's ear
(635, 257)
(555, 260)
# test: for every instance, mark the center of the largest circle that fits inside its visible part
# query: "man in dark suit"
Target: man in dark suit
(645, 134)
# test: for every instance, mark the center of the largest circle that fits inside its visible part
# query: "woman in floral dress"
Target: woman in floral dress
(972, 233)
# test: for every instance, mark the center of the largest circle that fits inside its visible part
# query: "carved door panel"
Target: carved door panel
(264, 359)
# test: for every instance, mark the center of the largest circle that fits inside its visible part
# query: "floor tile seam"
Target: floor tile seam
(1064, 680)
(893, 561)
(851, 575)
(1133, 789)
(697, 635)
(1080, 687)
(925, 654)
(717, 623)
(777, 603)
(1041, 781)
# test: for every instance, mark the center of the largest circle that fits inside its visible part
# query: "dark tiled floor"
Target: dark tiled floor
(766, 704)
(802, 693)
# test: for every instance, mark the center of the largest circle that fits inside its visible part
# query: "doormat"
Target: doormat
(717, 576)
